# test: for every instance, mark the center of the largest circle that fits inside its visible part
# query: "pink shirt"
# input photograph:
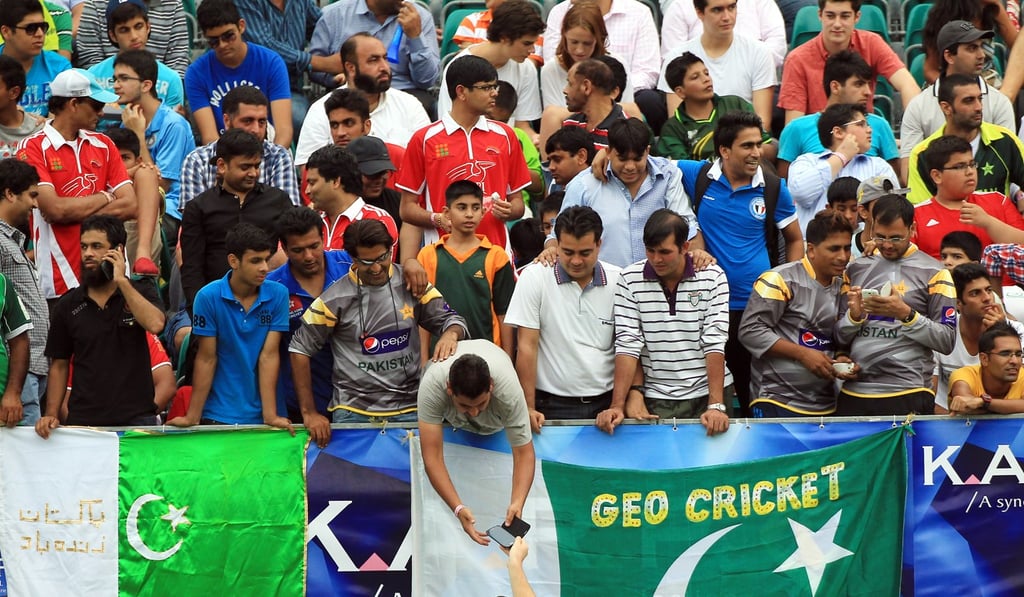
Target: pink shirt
(802, 89)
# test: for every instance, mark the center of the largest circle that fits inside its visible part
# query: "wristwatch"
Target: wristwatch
(909, 317)
(720, 407)
(637, 388)
(986, 401)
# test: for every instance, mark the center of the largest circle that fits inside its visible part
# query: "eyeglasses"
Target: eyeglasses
(895, 240)
(125, 78)
(371, 262)
(964, 167)
(33, 28)
(487, 88)
(1008, 353)
(861, 122)
(226, 38)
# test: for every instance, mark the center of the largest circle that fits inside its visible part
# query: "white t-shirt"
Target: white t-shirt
(521, 75)
(744, 68)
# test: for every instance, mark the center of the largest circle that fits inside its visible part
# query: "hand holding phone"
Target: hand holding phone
(505, 536)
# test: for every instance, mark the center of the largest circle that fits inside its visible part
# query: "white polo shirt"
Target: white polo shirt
(576, 355)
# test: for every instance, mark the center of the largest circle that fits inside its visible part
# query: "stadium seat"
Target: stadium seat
(451, 25)
(873, 19)
(884, 108)
(805, 26)
(915, 24)
(451, 6)
(917, 68)
(905, 7)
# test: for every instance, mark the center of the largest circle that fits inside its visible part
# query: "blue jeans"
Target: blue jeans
(31, 395)
(300, 105)
(346, 416)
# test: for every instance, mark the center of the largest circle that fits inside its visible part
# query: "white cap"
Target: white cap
(76, 82)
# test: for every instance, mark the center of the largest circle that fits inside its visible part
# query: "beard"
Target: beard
(368, 84)
(93, 278)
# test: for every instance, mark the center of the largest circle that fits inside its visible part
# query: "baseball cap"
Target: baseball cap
(959, 32)
(76, 82)
(876, 187)
(371, 153)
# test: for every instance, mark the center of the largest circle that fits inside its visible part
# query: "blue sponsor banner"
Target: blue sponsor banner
(3, 578)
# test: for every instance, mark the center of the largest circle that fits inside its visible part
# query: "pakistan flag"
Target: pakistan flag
(203, 511)
(824, 522)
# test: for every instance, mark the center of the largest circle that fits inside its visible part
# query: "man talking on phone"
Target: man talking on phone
(475, 390)
(102, 324)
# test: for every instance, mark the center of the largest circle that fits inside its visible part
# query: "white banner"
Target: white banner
(447, 561)
(59, 512)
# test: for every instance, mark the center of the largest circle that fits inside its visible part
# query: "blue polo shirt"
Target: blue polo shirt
(732, 222)
(801, 136)
(45, 67)
(336, 265)
(169, 139)
(234, 395)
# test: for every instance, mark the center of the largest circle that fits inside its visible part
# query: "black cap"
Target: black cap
(371, 153)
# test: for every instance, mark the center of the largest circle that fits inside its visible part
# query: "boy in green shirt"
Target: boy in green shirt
(475, 276)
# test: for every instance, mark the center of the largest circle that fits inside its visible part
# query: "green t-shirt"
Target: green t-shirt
(14, 321)
(683, 138)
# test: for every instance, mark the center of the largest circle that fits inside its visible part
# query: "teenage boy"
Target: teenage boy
(231, 62)
(165, 137)
(15, 123)
(238, 321)
(334, 185)
(845, 133)
(959, 247)
(869, 190)
(475, 276)
(994, 385)
(842, 199)
(23, 30)
(787, 325)
(992, 217)
(688, 131)
(128, 28)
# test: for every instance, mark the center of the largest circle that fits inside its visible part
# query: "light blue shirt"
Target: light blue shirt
(811, 174)
(419, 60)
(624, 216)
(169, 139)
(801, 136)
(45, 67)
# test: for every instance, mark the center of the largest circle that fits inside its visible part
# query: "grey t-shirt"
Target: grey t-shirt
(506, 409)
(11, 136)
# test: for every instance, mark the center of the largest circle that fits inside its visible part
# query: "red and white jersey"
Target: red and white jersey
(359, 210)
(443, 152)
(935, 221)
(78, 168)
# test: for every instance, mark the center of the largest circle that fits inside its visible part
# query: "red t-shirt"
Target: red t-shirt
(78, 168)
(935, 221)
(804, 69)
(443, 152)
(360, 210)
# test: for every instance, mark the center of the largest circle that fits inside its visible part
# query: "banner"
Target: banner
(88, 513)
(788, 525)
(964, 508)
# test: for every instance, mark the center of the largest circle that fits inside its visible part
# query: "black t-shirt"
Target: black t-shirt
(113, 381)
(389, 201)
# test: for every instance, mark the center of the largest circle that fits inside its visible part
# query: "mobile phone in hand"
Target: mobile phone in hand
(505, 536)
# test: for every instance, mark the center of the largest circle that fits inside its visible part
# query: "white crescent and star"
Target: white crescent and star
(677, 580)
(175, 516)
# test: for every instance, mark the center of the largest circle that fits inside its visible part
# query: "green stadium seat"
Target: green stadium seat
(805, 26)
(915, 24)
(873, 19)
(917, 69)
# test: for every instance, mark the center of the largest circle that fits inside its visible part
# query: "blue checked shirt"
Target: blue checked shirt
(198, 174)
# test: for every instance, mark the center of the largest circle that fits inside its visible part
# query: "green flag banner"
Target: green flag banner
(196, 507)
(824, 522)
